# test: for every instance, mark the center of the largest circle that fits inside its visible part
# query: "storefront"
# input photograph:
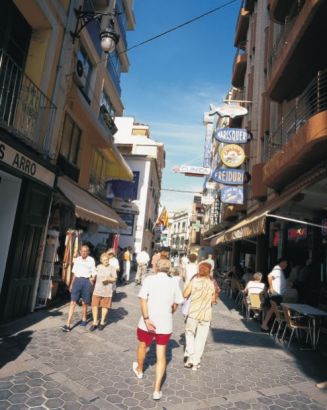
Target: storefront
(26, 183)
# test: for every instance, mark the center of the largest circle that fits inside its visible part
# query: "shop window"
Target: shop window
(70, 143)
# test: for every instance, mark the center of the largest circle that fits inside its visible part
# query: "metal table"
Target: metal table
(308, 311)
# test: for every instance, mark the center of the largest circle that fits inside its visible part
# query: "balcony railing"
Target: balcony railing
(312, 101)
(24, 109)
(281, 40)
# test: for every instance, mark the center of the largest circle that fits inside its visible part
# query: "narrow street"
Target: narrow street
(242, 368)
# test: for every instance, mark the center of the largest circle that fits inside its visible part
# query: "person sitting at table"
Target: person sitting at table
(254, 286)
(277, 288)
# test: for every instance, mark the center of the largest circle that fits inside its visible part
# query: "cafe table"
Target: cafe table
(310, 312)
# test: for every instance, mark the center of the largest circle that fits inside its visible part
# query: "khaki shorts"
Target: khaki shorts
(100, 301)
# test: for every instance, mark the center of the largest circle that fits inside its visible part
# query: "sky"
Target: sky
(173, 79)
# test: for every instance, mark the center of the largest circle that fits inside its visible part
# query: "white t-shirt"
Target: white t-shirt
(191, 270)
(278, 280)
(184, 261)
(254, 287)
(142, 258)
(84, 268)
(161, 292)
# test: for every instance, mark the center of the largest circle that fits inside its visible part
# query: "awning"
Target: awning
(255, 224)
(88, 207)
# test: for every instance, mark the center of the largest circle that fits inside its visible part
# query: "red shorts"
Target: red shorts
(148, 337)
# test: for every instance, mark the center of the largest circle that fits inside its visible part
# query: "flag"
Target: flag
(163, 218)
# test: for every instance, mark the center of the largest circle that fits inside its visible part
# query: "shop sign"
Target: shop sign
(228, 176)
(228, 110)
(232, 155)
(190, 169)
(24, 164)
(232, 135)
(232, 195)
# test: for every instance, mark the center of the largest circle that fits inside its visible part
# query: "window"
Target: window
(85, 80)
(125, 189)
(105, 100)
(71, 136)
(114, 68)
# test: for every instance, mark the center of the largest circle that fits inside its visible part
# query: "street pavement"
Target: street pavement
(242, 368)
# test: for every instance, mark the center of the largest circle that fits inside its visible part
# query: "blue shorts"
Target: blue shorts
(82, 289)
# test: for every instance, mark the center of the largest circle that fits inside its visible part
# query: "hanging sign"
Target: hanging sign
(228, 176)
(232, 135)
(228, 110)
(192, 170)
(232, 195)
(232, 155)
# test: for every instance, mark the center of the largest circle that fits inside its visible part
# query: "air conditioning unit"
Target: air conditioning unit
(79, 76)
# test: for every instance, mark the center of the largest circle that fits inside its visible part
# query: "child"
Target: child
(106, 276)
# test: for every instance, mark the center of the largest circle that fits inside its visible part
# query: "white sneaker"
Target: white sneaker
(157, 395)
(195, 367)
(139, 375)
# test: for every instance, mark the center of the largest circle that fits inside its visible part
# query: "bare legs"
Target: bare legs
(160, 365)
(71, 312)
(273, 309)
(95, 314)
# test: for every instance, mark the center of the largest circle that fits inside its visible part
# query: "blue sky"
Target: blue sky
(173, 79)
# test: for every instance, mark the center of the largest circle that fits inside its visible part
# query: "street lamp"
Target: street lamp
(109, 37)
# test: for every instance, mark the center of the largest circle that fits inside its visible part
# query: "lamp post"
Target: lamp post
(109, 37)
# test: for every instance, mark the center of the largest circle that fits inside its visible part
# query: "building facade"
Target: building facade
(57, 102)
(179, 231)
(281, 75)
(137, 203)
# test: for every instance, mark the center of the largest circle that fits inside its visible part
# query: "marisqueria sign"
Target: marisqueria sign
(232, 135)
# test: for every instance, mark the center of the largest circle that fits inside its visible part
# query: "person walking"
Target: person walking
(82, 285)
(106, 276)
(201, 292)
(159, 297)
(276, 290)
(114, 262)
(191, 268)
(142, 260)
(154, 260)
(127, 258)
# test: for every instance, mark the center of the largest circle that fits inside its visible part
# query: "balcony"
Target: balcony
(25, 110)
(300, 140)
(280, 9)
(258, 188)
(239, 68)
(295, 47)
(242, 26)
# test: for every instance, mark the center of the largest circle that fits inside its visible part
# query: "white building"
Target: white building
(138, 202)
(179, 231)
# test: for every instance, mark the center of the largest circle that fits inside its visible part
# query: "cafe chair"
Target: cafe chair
(295, 324)
(278, 322)
(254, 304)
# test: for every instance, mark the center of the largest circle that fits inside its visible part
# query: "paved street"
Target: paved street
(241, 369)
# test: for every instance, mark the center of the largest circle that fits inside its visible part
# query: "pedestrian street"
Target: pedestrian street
(242, 368)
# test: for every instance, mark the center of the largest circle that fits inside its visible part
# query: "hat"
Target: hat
(163, 265)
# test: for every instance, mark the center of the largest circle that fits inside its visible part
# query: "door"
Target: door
(22, 262)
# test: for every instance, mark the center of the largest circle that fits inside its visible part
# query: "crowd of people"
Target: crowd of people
(176, 281)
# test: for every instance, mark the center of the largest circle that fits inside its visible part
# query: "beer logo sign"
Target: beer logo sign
(232, 155)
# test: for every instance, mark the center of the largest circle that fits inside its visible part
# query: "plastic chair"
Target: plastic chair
(295, 325)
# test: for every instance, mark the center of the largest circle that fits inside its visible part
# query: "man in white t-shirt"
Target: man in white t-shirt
(159, 297)
(277, 288)
(142, 260)
(82, 285)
